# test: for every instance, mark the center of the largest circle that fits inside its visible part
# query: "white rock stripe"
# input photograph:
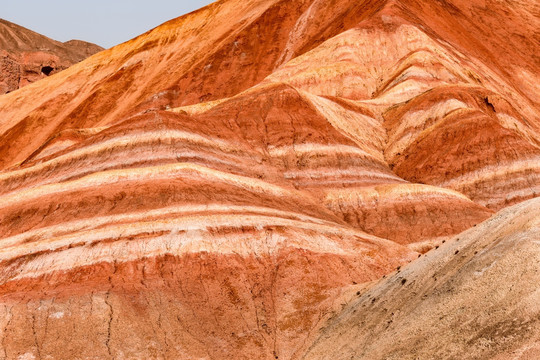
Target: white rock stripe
(314, 149)
(359, 173)
(172, 225)
(490, 172)
(185, 236)
(166, 212)
(156, 173)
(397, 192)
(127, 141)
(227, 160)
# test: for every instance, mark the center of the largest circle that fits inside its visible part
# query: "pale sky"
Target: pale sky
(103, 22)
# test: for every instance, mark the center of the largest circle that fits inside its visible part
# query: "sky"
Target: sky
(103, 22)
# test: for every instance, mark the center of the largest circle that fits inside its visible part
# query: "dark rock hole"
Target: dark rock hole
(489, 104)
(47, 70)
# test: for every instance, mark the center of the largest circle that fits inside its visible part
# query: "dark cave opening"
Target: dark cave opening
(47, 70)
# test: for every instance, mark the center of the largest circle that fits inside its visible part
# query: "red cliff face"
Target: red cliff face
(26, 57)
(222, 186)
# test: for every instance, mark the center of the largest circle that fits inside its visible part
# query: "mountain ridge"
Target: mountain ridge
(27, 56)
(236, 182)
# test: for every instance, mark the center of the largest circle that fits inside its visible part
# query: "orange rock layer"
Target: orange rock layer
(220, 186)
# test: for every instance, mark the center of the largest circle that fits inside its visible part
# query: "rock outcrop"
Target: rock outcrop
(26, 57)
(222, 186)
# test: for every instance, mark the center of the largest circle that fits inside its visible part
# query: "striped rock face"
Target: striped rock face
(215, 188)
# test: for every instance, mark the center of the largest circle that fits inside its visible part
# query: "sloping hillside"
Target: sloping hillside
(221, 186)
(26, 56)
(476, 297)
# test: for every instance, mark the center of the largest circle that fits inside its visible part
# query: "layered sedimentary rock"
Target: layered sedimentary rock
(220, 186)
(450, 118)
(475, 297)
(197, 220)
(26, 56)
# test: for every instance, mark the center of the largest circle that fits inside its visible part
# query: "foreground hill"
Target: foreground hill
(220, 186)
(26, 56)
(476, 297)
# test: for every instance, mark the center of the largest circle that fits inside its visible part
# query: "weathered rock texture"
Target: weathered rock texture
(476, 297)
(26, 56)
(219, 187)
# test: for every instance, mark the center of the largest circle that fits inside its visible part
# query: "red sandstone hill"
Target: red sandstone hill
(26, 56)
(236, 182)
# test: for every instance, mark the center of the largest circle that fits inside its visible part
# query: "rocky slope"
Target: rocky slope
(220, 186)
(476, 297)
(26, 56)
